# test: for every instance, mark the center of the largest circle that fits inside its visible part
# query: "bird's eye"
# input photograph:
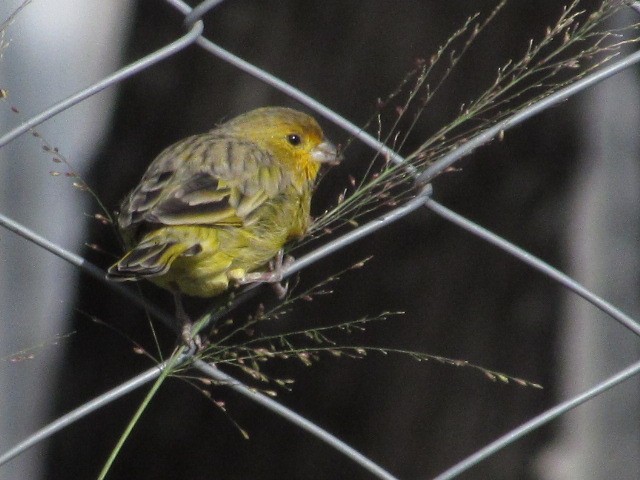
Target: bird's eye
(294, 139)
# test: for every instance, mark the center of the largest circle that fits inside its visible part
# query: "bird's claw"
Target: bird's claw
(274, 276)
(194, 342)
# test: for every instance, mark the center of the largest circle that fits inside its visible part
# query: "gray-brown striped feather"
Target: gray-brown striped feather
(208, 179)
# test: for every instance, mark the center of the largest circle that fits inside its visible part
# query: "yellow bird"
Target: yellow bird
(215, 208)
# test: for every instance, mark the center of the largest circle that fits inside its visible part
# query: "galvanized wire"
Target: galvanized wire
(82, 411)
(294, 418)
(538, 422)
(560, 96)
(194, 36)
(174, 47)
(545, 268)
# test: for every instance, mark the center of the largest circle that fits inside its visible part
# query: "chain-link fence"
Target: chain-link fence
(194, 38)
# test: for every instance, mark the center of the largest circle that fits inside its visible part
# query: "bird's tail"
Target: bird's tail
(152, 257)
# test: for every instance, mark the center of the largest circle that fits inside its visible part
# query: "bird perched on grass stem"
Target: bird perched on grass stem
(217, 207)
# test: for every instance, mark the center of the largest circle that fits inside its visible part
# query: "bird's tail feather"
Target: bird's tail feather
(150, 258)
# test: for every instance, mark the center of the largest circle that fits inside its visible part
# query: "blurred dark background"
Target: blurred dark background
(462, 298)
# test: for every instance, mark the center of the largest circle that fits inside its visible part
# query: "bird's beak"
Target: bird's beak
(327, 153)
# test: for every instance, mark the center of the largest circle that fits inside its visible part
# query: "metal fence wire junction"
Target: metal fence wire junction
(424, 199)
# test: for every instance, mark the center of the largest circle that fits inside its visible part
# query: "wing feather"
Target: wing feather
(207, 179)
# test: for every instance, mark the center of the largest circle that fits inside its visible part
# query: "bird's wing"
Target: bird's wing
(206, 179)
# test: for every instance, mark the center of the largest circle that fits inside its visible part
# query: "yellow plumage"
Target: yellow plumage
(213, 207)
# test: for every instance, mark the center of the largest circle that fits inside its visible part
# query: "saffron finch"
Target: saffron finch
(215, 208)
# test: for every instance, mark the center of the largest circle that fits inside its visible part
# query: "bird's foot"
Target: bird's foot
(274, 276)
(194, 342)
(185, 324)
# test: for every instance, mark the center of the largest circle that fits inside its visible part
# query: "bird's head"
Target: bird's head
(292, 137)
